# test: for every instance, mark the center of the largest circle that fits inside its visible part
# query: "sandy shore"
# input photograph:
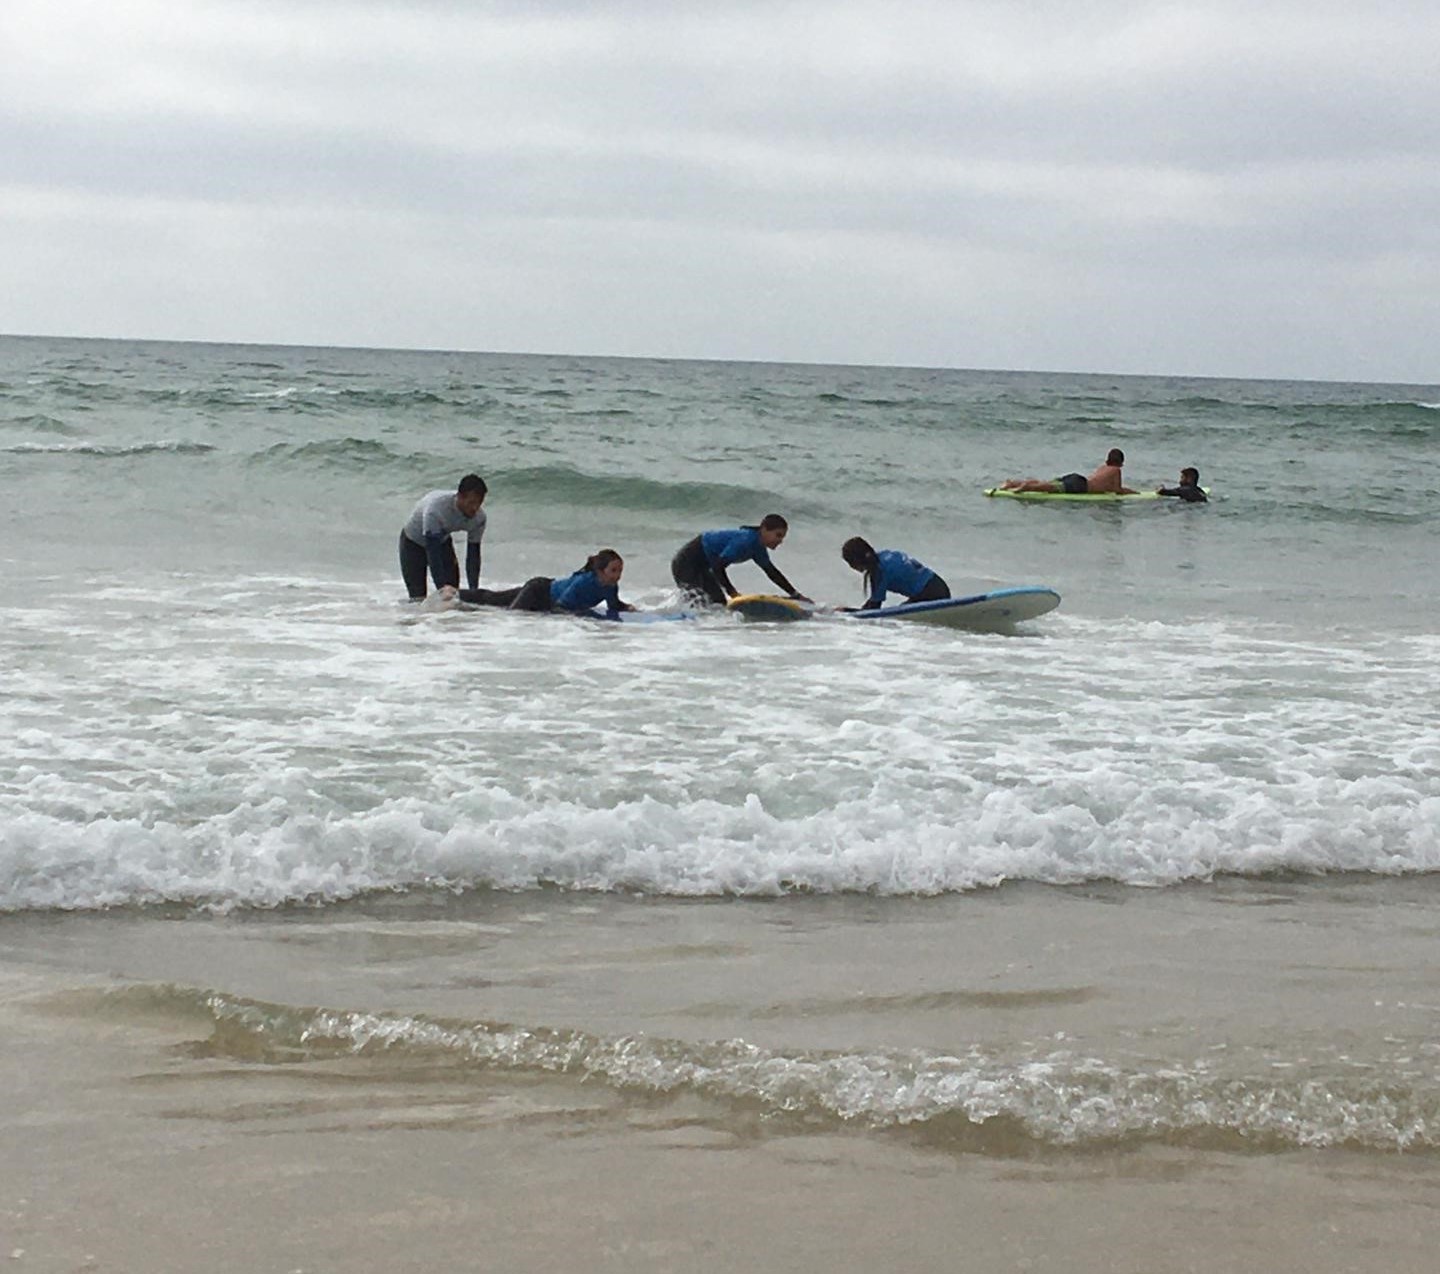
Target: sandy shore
(141, 1142)
(123, 1154)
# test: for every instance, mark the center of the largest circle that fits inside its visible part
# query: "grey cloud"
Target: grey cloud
(1126, 142)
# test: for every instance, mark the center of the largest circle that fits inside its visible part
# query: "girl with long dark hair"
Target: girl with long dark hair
(890, 571)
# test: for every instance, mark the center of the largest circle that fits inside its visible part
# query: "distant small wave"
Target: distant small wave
(290, 391)
(109, 452)
(549, 484)
(398, 399)
(561, 484)
(1388, 419)
(250, 395)
(334, 453)
(831, 397)
(45, 425)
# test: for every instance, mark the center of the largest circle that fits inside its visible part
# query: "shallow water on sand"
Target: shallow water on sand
(1081, 1078)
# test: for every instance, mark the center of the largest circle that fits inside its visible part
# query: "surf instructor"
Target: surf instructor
(425, 538)
(1189, 489)
(699, 567)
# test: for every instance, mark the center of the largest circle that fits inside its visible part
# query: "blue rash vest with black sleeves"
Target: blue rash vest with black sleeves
(583, 591)
(899, 573)
(725, 548)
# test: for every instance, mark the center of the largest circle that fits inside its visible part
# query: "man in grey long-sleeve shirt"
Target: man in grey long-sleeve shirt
(425, 537)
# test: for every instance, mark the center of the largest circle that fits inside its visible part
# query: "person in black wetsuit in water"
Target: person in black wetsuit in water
(1188, 490)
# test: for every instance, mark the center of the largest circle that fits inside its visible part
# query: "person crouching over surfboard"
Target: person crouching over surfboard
(890, 571)
(1104, 481)
(699, 567)
(595, 582)
(425, 537)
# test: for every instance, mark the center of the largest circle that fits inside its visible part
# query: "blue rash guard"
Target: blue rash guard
(725, 548)
(583, 591)
(899, 573)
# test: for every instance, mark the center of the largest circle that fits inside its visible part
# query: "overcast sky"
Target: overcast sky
(1209, 188)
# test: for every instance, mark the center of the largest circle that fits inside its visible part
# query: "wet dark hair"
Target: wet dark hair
(471, 482)
(1194, 476)
(1116, 457)
(773, 522)
(860, 555)
(597, 562)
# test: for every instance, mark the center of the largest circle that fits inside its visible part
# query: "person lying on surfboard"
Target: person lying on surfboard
(1104, 481)
(699, 567)
(890, 571)
(1189, 488)
(595, 582)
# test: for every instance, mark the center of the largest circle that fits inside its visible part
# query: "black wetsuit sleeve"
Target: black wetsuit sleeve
(730, 589)
(472, 564)
(778, 579)
(1191, 495)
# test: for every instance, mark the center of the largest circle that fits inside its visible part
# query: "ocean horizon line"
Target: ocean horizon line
(713, 360)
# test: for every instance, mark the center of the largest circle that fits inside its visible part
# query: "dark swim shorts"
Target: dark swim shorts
(1074, 484)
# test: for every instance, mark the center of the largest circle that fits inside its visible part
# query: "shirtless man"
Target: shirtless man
(1104, 481)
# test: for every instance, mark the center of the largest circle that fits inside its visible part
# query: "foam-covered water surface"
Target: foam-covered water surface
(278, 741)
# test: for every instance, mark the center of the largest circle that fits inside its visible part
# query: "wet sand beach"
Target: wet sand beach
(150, 1128)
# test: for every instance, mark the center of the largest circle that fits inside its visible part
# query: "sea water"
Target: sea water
(1154, 871)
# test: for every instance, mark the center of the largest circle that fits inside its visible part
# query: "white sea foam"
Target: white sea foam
(277, 743)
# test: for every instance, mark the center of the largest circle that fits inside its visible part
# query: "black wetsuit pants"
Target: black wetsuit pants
(691, 570)
(533, 594)
(415, 566)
